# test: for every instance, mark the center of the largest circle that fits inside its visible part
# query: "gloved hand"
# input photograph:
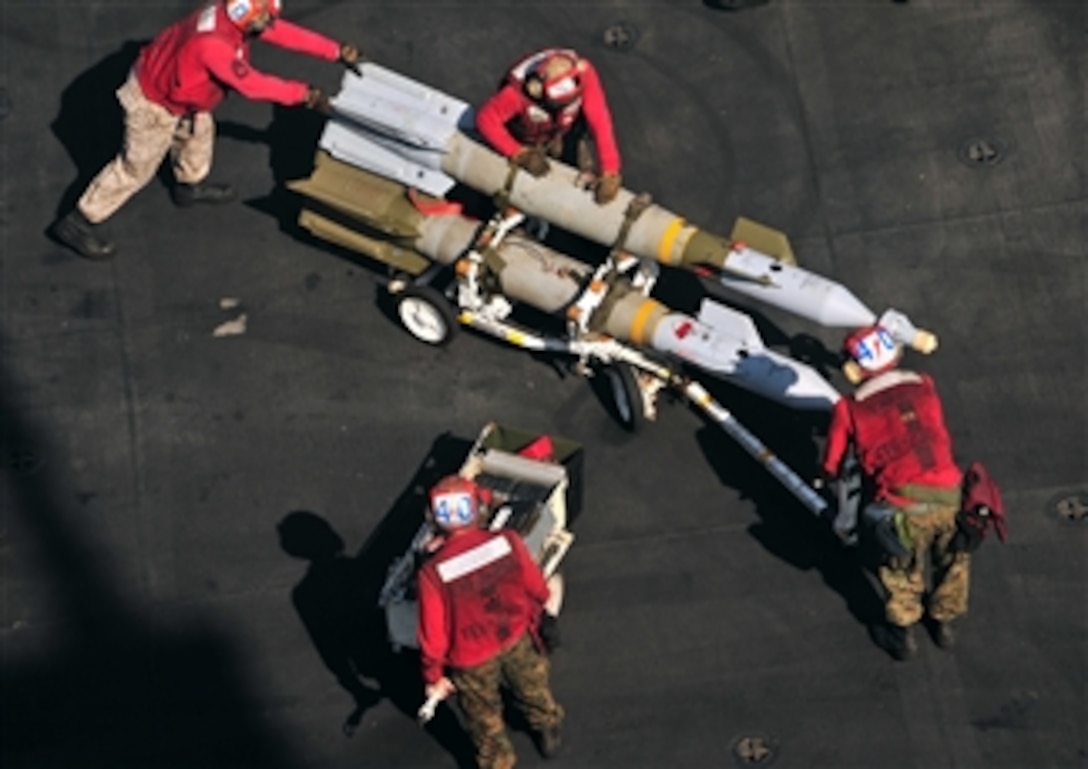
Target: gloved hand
(607, 187)
(317, 100)
(440, 689)
(533, 160)
(435, 693)
(970, 531)
(351, 58)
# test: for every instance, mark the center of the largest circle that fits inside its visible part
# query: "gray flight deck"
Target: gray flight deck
(930, 155)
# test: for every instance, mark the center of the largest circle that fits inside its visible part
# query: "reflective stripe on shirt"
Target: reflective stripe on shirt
(474, 559)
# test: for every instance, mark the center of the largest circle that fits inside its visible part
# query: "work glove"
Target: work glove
(533, 160)
(606, 188)
(440, 689)
(970, 531)
(317, 100)
(351, 58)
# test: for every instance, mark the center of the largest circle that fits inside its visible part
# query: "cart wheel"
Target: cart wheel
(427, 314)
(626, 396)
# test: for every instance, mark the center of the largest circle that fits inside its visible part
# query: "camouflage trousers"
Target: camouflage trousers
(524, 671)
(151, 133)
(931, 525)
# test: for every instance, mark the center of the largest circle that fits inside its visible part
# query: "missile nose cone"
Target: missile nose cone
(794, 289)
(840, 308)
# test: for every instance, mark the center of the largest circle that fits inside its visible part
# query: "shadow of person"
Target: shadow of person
(292, 138)
(337, 601)
(90, 123)
(786, 528)
(334, 604)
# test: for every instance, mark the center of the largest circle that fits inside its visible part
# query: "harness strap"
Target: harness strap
(638, 204)
(502, 197)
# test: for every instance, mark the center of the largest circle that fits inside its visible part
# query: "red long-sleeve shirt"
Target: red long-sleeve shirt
(510, 120)
(478, 596)
(896, 424)
(191, 64)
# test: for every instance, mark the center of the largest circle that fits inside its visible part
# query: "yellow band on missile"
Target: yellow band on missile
(668, 240)
(638, 324)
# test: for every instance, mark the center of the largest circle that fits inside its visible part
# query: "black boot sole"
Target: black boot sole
(71, 237)
(186, 200)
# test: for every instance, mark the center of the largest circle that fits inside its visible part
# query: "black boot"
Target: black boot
(944, 635)
(186, 195)
(897, 640)
(549, 741)
(84, 237)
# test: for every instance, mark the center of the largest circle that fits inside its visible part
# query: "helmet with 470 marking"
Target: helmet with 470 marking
(253, 16)
(870, 351)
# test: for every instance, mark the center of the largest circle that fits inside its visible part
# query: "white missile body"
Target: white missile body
(409, 132)
(726, 343)
(391, 135)
(721, 341)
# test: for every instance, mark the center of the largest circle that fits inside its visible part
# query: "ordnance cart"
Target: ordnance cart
(536, 485)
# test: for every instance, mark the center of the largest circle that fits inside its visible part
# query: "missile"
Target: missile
(387, 221)
(409, 132)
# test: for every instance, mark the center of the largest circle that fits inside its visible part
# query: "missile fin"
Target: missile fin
(399, 108)
(731, 323)
(367, 152)
(763, 238)
(377, 78)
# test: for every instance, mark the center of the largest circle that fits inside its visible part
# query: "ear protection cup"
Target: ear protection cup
(555, 82)
(534, 87)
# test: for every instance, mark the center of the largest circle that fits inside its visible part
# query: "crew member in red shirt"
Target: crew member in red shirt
(481, 597)
(178, 79)
(545, 97)
(895, 425)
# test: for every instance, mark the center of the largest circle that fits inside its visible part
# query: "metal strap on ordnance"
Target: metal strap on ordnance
(491, 236)
(583, 308)
(581, 312)
(638, 204)
(502, 197)
(482, 261)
